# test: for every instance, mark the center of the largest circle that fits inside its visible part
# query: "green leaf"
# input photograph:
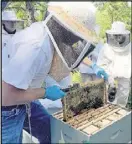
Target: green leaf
(108, 12)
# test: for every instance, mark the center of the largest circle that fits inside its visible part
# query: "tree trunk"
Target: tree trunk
(4, 4)
(30, 10)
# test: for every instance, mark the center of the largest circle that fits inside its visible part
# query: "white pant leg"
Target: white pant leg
(122, 91)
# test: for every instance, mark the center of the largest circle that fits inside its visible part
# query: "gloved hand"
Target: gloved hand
(111, 93)
(99, 71)
(53, 93)
(112, 89)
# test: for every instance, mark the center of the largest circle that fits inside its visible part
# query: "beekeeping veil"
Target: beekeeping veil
(84, 12)
(72, 41)
(118, 37)
(12, 20)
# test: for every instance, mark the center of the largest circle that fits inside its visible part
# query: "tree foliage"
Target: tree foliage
(4, 4)
(108, 12)
(30, 11)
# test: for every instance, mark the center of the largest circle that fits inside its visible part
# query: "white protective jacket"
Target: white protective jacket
(30, 61)
(30, 57)
(5, 50)
(117, 63)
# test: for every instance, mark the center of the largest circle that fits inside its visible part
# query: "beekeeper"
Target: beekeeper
(10, 25)
(115, 58)
(31, 58)
(83, 12)
(28, 65)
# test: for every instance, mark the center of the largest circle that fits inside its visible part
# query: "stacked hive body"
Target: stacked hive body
(82, 98)
(91, 121)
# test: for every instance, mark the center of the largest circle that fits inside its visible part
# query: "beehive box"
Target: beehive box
(107, 124)
(93, 122)
(82, 98)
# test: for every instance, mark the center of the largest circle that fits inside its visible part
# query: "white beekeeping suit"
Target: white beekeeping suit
(10, 24)
(115, 58)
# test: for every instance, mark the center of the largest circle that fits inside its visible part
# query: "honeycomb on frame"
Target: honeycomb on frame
(84, 97)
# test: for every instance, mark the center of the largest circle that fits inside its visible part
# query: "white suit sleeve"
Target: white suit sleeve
(103, 61)
(20, 70)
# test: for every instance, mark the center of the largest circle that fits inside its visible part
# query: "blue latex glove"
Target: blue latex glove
(99, 72)
(54, 93)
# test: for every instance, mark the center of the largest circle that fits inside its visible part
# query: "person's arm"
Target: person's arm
(14, 96)
(98, 70)
(103, 61)
(19, 73)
